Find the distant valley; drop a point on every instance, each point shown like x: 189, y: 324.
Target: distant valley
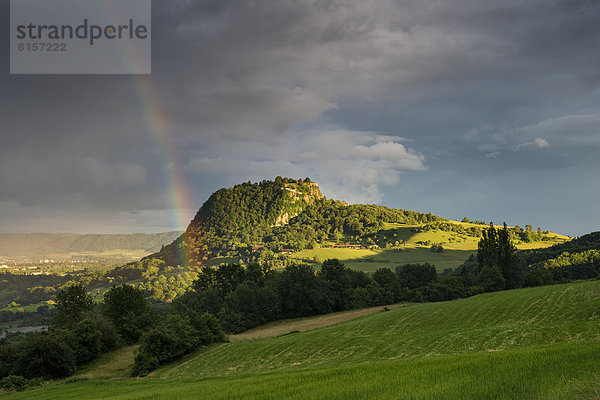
x: 56, y: 247
x: 299, y: 282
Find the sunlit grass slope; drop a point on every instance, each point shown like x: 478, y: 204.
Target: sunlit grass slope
x: 555, y: 372
x: 113, y: 365
x: 415, y: 248
x: 535, y: 343
x: 371, y: 260
x: 489, y: 322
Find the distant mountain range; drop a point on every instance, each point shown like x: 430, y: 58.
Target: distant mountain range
x: 37, y: 245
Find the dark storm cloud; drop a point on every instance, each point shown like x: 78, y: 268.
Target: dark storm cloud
x: 415, y: 104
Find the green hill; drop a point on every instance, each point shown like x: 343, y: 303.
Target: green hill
x: 576, y: 259
x: 534, y: 343
x: 239, y: 217
x: 286, y: 220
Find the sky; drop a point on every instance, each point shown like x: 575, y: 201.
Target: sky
x: 472, y: 108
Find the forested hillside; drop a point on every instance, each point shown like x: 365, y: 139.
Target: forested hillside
x: 277, y: 215
x: 243, y: 214
x: 576, y: 259
x: 275, y: 224
x: 263, y: 222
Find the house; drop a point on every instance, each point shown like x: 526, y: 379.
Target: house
x: 347, y: 246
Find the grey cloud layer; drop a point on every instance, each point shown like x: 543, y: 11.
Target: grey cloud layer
x: 375, y: 99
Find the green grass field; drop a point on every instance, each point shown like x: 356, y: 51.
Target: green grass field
x: 537, y: 343
x: 558, y: 372
x: 457, y: 248
x: 116, y: 364
x: 371, y: 260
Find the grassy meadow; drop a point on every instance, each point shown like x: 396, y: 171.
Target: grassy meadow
x: 370, y: 260
x: 536, y: 343
x: 415, y: 248
x: 557, y: 372
x: 115, y: 364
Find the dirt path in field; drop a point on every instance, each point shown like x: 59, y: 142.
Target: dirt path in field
x: 279, y: 328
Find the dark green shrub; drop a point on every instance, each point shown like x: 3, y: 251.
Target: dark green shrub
x: 43, y: 355
x: 143, y: 364
x: 8, y: 355
x: 174, y: 337
x: 129, y: 311
x: 18, y: 383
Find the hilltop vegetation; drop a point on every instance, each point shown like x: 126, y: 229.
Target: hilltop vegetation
x: 267, y: 222
x: 240, y: 215
x: 276, y: 215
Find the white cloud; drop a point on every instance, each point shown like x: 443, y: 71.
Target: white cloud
x: 540, y: 143
x: 391, y: 151
x: 349, y: 165
x: 568, y: 130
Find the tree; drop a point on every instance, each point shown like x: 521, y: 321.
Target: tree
x: 8, y: 354
x: 127, y: 307
x: 387, y: 280
x: 509, y: 262
x: 171, y: 339
x: 538, y: 276
x: 378, y: 296
x: 42, y: 355
x: 302, y: 293
x: 490, y: 279
x: 496, y: 250
x: 84, y: 338
x: 416, y: 275
x: 71, y: 304
x: 338, y: 279
x: 487, y: 248
x: 249, y: 305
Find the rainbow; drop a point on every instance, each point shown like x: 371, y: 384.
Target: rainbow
x: 155, y: 120
x: 154, y: 117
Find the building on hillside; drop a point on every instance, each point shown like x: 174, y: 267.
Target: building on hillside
x: 347, y: 246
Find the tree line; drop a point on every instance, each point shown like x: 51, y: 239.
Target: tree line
x: 232, y: 298
x: 80, y: 330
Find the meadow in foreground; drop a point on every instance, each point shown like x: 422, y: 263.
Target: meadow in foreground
x: 540, y: 342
